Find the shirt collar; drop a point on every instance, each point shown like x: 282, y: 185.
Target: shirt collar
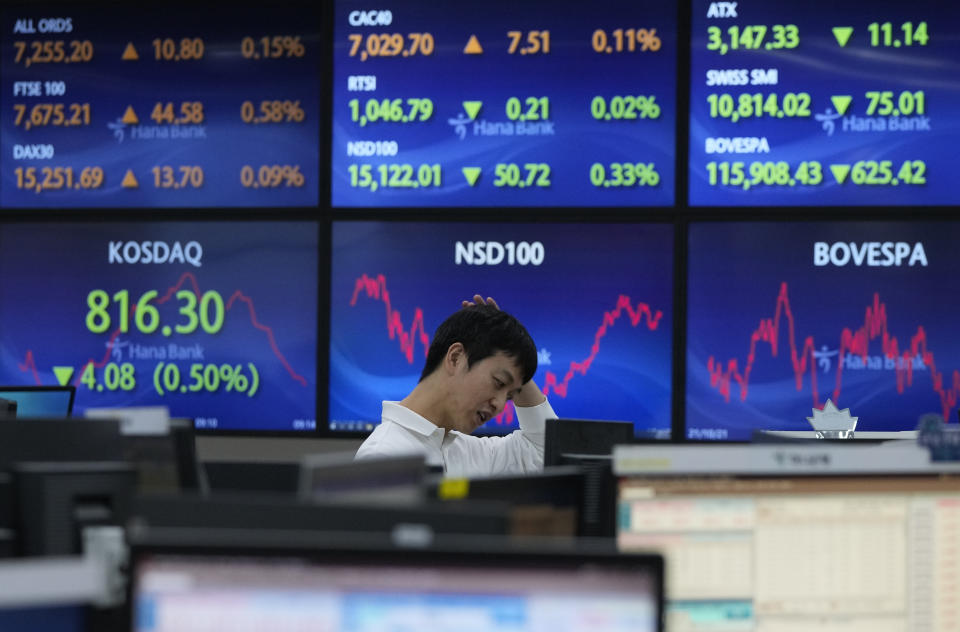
x: 400, y: 414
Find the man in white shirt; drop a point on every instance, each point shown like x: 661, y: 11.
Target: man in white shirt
x: 479, y: 358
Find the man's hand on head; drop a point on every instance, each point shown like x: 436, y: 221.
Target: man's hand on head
x: 479, y: 300
x: 530, y: 394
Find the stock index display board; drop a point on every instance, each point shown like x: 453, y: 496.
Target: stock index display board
x: 860, y: 313
x: 124, y: 106
x: 824, y: 103
x: 596, y: 298
x: 215, y: 320
x: 493, y: 103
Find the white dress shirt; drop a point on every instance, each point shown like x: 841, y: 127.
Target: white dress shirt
x: 403, y: 431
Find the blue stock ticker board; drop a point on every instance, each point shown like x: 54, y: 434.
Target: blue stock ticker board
x: 824, y: 103
x: 856, y: 312
x: 216, y: 321
x: 494, y: 103
x: 136, y: 107
x: 596, y: 298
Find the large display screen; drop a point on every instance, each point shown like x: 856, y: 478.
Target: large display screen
x: 597, y: 299
x: 217, y: 321
x: 824, y: 103
x: 783, y: 316
x: 499, y: 103
x: 124, y: 105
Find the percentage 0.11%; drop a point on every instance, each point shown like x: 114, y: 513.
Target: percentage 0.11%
x: 275, y: 111
x: 271, y: 176
x: 209, y: 378
x: 626, y: 41
x: 272, y: 47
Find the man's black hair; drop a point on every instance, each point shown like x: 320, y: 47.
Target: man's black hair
x: 483, y: 330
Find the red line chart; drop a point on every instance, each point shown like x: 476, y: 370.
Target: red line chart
x: 29, y: 364
x: 186, y: 277
x: 852, y: 342
x: 376, y: 288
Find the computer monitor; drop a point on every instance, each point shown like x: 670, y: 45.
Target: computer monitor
x: 40, y: 401
x: 815, y: 546
x: 361, y: 589
x: 60, y: 440
x: 583, y: 437
x: 227, y: 517
x: 48, y: 440
x: 55, y: 502
x: 548, y: 503
x: 49, y: 594
x: 166, y: 463
x: 259, y: 477
x: 326, y: 477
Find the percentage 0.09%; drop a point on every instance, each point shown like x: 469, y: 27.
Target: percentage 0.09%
x: 271, y: 176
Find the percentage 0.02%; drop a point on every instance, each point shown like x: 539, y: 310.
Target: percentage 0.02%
x: 210, y: 378
x: 624, y: 108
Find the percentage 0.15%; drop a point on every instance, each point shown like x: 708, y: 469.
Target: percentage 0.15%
x: 39, y: 179
x: 275, y: 111
x: 210, y: 378
x: 51, y: 114
x: 271, y: 176
x: 272, y: 47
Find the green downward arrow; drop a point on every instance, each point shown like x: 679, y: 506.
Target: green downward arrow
x: 472, y: 108
x: 841, y: 103
x: 63, y: 373
x: 472, y: 174
x: 840, y: 172
x: 842, y: 33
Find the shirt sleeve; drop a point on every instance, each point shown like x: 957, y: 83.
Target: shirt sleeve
x: 520, y: 452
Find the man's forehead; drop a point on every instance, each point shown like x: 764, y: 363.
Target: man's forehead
x: 506, y: 366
